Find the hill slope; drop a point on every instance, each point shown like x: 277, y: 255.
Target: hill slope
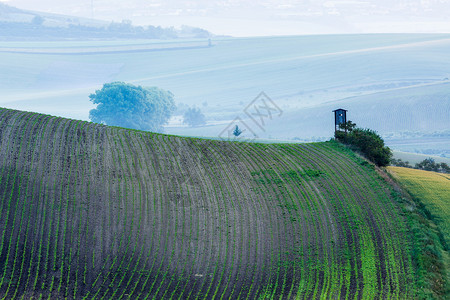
x: 90, y: 211
x: 433, y: 189
x: 430, y: 195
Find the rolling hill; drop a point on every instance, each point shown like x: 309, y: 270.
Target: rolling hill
x: 90, y: 211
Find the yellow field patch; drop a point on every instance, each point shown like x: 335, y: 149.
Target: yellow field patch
x: 432, y: 188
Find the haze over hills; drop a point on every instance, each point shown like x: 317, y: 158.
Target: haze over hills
x: 256, y: 18
x: 27, y: 25
x: 10, y: 14
x: 394, y: 83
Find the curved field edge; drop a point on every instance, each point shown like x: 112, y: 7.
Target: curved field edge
x: 96, y: 212
x: 425, y: 197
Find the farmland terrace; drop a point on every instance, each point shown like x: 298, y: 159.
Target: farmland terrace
x: 90, y: 211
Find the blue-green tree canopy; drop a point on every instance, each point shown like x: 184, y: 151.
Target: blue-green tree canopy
x: 126, y: 105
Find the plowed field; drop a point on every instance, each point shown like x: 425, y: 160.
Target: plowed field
x: 95, y: 212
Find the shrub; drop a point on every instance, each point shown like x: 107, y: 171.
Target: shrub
x: 367, y: 141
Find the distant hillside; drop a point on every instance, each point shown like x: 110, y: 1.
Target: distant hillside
x: 89, y: 211
x: 17, y: 24
x: 396, y: 84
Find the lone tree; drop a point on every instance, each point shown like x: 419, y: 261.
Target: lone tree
x: 237, y: 132
x: 367, y: 141
x: 194, y: 117
x: 125, y: 105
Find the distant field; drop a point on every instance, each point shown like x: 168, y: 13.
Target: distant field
x: 414, y: 158
x: 388, y: 82
x: 101, y: 48
x: 95, y: 212
x: 432, y: 189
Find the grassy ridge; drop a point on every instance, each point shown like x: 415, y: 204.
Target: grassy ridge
x: 95, y: 212
x: 430, y: 193
x: 434, y: 191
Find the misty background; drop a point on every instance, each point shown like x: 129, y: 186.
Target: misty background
x: 386, y: 62
x: 262, y: 18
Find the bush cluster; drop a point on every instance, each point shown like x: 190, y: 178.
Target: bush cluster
x: 366, y: 141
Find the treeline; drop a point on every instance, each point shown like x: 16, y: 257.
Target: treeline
x: 428, y: 164
x: 124, y: 30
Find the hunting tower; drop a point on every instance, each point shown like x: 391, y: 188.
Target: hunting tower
x: 340, y: 117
